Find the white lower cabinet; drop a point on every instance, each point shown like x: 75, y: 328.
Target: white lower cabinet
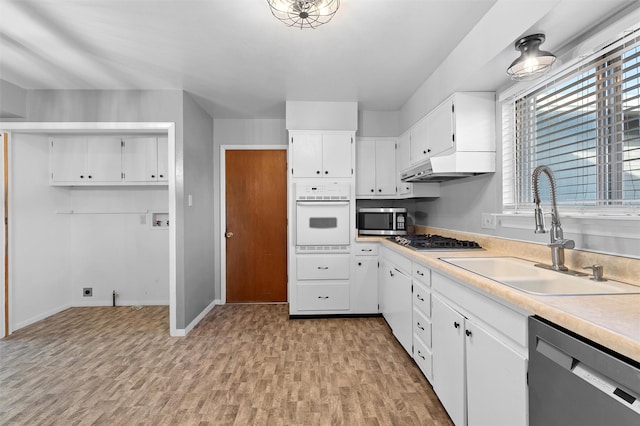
x: 323, y: 297
x: 322, y: 282
x: 364, y: 290
x: 395, y: 292
x: 479, y: 357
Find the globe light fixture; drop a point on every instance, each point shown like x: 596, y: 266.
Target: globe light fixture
x: 304, y: 13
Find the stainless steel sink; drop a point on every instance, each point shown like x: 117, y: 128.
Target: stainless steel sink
x: 523, y: 275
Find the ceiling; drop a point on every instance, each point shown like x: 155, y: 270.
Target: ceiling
x: 238, y: 61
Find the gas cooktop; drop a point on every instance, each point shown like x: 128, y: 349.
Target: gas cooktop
x: 426, y: 242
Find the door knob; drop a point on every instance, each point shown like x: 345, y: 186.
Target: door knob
x: 228, y: 235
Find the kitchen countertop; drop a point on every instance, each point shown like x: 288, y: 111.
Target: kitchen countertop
x: 610, y: 320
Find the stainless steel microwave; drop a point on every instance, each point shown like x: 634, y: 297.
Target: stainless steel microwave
x: 382, y: 221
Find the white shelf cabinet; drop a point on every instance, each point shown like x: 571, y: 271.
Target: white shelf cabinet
x: 321, y: 154
x: 479, y: 356
x: 375, y: 167
x: 85, y: 159
x: 403, y: 161
x: 145, y: 159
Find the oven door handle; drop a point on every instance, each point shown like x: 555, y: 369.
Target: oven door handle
x: 322, y: 203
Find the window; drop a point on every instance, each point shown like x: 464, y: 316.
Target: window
x: 584, y: 125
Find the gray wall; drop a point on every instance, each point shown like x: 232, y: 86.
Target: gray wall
x: 239, y: 132
x: 154, y: 106
x: 198, y: 224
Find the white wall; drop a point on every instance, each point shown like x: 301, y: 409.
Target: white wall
x: 378, y: 123
x: 13, y: 101
x: 55, y: 254
x: 239, y: 132
x: 39, y: 239
x: 120, y: 252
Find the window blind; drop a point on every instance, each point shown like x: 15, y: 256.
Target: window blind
x: 585, y: 126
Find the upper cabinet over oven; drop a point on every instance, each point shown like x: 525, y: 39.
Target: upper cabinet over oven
x: 321, y: 154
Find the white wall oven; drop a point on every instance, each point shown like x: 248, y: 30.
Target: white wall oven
x: 322, y: 217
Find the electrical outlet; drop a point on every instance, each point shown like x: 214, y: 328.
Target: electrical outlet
x: 488, y: 221
x: 87, y: 292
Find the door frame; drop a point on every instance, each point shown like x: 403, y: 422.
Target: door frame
x: 223, y: 207
x: 66, y: 127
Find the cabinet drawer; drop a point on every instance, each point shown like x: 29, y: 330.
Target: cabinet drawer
x: 422, y: 274
x: 422, y: 298
x: 422, y: 327
x: 423, y: 357
x: 323, y: 297
x: 366, y: 250
x: 322, y: 267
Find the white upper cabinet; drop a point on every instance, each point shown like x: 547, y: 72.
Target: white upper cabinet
x: 85, y: 159
x: 321, y: 154
x: 145, y: 159
x: 375, y: 167
x: 418, y: 136
x: 463, y: 122
x: 440, y: 128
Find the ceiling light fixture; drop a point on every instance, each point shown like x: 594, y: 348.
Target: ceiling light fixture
x: 532, y: 62
x: 304, y: 13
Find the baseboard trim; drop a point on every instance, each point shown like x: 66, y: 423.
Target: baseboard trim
x: 318, y: 316
x: 39, y: 317
x: 199, y: 318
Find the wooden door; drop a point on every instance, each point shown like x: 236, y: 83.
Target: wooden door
x: 256, y: 217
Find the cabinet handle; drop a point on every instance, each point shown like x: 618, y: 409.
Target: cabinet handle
x: 326, y: 172
x: 153, y: 176
x: 391, y: 273
x: 420, y: 326
x: 456, y: 324
x: 420, y: 298
x: 429, y: 150
x: 323, y: 297
x: 372, y: 190
x: 420, y: 355
x: 359, y: 263
x: 81, y: 176
x: 367, y: 250
x: 424, y: 152
x: 161, y: 176
x: 323, y: 267
x: 420, y: 273
x: 467, y: 332
x: 317, y: 172
x: 89, y: 176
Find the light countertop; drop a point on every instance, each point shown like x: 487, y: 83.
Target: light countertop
x: 610, y: 320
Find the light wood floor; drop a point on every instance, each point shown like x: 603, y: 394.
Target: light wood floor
x: 242, y: 365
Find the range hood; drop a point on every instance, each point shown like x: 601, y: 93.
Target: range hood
x: 447, y: 167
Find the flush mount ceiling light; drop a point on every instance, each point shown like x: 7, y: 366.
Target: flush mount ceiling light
x: 532, y: 62
x: 304, y: 13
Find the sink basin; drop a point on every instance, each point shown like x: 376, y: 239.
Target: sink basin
x: 524, y: 276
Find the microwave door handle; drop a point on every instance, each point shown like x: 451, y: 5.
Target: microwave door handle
x: 322, y: 203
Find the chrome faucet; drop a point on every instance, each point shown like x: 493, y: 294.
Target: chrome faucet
x: 558, y: 242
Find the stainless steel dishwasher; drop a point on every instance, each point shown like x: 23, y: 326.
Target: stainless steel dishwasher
x: 573, y: 381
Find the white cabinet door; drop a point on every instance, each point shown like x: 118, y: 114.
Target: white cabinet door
x: 385, y: 167
x: 68, y: 159
x: 399, y: 307
x: 364, y: 291
x: 496, y: 380
x: 104, y: 159
x: 419, y: 143
x: 140, y: 159
x: 447, y: 336
x: 365, y: 167
x: 306, y: 152
x: 336, y: 155
x: 440, y: 128
x: 163, y: 159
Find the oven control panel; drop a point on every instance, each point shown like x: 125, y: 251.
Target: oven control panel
x: 323, y: 191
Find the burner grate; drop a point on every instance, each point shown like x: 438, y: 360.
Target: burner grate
x: 435, y: 242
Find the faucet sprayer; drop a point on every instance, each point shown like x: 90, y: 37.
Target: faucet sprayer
x: 558, y: 242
